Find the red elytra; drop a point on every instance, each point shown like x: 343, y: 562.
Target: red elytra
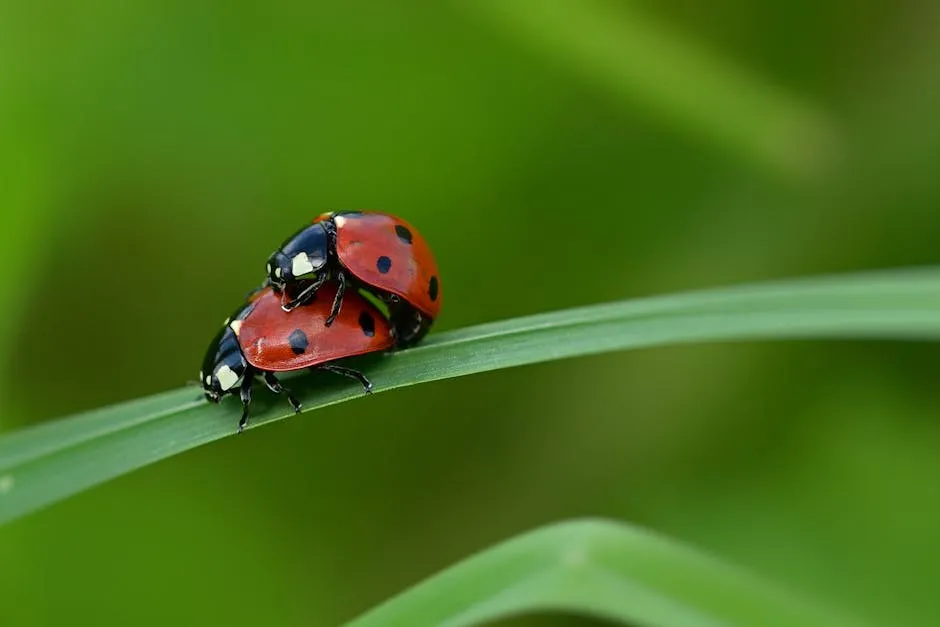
x: 388, y: 253
x: 277, y: 341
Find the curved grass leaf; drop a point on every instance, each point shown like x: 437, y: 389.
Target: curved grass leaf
x: 645, y: 64
x: 603, y: 569
x: 46, y: 463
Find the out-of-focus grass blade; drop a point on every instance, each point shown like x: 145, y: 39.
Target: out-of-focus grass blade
x: 26, y: 155
x: 52, y: 461
x: 647, y: 65
x: 598, y: 568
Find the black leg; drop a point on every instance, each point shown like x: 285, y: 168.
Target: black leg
x: 275, y: 386
x: 349, y: 372
x: 408, y: 325
x: 305, y: 294
x: 246, y: 399
x: 338, y: 300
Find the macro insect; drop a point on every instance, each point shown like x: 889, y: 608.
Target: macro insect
x: 377, y: 252
x: 261, y: 339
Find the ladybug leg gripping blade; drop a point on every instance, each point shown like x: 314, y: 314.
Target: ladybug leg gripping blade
x: 350, y: 373
x: 275, y: 386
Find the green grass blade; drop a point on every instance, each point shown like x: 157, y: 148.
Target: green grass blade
x: 52, y: 461
x: 603, y: 569
x: 646, y: 65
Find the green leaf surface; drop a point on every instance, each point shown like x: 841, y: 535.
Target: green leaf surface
x: 603, y: 569
x: 51, y: 461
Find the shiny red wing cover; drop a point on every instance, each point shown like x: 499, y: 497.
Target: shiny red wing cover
x: 389, y: 253
x: 276, y: 340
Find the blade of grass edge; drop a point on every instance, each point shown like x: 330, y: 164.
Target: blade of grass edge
x: 51, y: 461
x: 601, y: 568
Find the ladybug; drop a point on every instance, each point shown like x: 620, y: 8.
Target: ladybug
x: 380, y: 253
x: 261, y: 339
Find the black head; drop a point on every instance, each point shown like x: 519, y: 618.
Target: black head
x: 224, y: 366
x: 302, y: 257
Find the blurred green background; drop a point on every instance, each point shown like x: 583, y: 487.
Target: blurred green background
x: 555, y: 154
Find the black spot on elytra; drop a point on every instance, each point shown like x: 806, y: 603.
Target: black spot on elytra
x: 403, y: 233
x: 367, y: 323
x: 298, y: 341
x: 433, y: 288
x: 384, y: 264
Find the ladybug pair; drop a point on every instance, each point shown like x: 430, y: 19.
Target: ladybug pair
x: 349, y: 283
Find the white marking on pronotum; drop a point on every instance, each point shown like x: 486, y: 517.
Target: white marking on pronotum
x: 6, y: 483
x: 301, y: 265
x: 236, y: 326
x: 338, y: 221
x: 227, y: 378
